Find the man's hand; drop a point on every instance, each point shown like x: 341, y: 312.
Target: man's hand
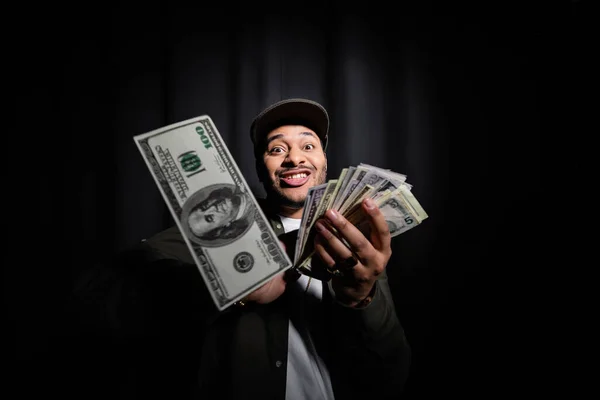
x: 371, y: 255
x: 268, y: 292
x: 271, y: 290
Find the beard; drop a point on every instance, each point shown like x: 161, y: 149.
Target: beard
x: 276, y: 194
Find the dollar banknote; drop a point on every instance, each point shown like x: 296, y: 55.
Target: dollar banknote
x: 388, y: 189
x: 227, y: 233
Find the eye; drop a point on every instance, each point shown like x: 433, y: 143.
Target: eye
x: 276, y: 150
x: 309, y: 146
x: 209, y: 218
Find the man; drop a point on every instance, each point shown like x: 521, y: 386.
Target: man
x: 296, y: 337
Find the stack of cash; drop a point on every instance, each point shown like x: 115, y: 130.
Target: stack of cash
x: 387, y: 188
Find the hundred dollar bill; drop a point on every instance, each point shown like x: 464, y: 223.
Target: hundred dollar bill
x: 228, y: 235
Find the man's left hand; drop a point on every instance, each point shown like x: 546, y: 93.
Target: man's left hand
x: 369, y: 256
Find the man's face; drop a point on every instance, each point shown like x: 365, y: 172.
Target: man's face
x: 219, y: 213
x: 294, y: 161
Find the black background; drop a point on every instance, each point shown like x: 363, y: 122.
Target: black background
x: 461, y: 97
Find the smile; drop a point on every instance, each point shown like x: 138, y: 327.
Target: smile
x: 295, y: 178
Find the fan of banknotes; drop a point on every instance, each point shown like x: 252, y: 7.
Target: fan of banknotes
x: 345, y: 194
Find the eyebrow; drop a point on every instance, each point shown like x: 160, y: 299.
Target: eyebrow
x: 281, y: 135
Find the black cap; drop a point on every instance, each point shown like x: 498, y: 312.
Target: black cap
x: 290, y: 112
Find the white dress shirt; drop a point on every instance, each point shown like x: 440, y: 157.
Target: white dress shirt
x: 307, y: 374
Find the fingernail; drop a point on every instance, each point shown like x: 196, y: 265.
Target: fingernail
x: 369, y: 203
x: 332, y: 215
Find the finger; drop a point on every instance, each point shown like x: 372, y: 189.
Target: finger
x: 328, y: 261
x: 380, y: 231
x: 358, y: 243
x: 337, y: 249
x: 322, y: 252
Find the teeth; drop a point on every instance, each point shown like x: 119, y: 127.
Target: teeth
x: 297, y: 176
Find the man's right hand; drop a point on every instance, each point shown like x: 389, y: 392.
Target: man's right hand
x: 271, y: 290
x: 268, y: 292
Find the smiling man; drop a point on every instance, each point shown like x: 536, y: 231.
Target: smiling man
x: 327, y: 319
x: 289, y: 140
x: 294, y: 161
x: 295, y: 338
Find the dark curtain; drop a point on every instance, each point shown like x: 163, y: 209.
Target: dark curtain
x: 452, y: 95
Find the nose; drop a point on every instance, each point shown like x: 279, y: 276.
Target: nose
x: 295, y: 156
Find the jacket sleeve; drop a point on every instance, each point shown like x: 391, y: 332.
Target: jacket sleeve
x: 141, y: 292
x: 369, y: 354
x: 136, y: 325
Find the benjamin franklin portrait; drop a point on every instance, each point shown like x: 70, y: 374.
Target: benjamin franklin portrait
x: 217, y: 215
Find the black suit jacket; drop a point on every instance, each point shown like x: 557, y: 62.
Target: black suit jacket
x: 148, y: 329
